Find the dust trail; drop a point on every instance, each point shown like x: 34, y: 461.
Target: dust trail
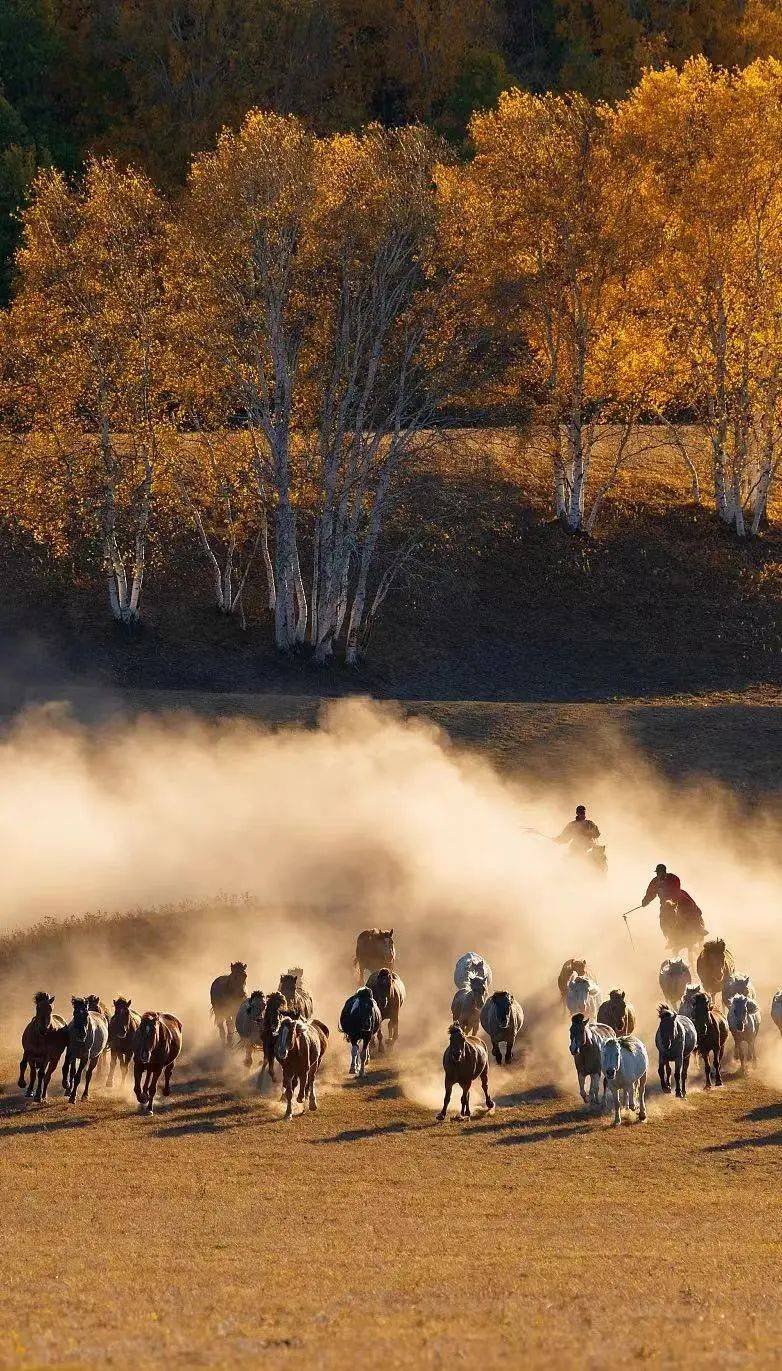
x: 368, y: 820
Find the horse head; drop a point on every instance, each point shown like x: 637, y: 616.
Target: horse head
x: 286, y: 1036
x: 618, y: 998
x: 667, y: 1024
x: 578, y: 1027
x: 458, y: 1042
x: 502, y: 1001
x: 275, y: 1005
x: 739, y: 1008
x: 256, y: 1004
x: 94, y: 1004
x: 479, y: 990
x: 701, y: 1007
x: 382, y: 988
x: 238, y: 974
x: 122, y: 1012
x: 81, y: 1017
x: 43, y: 1008
x: 147, y: 1031
x: 611, y: 1055
x: 387, y: 938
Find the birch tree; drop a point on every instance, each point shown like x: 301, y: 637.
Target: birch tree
x: 240, y: 277
x: 545, y: 226
x: 85, y: 330
x: 715, y: 281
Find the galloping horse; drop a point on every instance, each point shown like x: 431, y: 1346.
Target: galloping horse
x: 389, y: 992
x: 88, y: 1036
x: 465, y: 1060
x: 299, y: 1048
x: 226, y: 993
x: 122, y: 1027
x: 43, y: 1042
x: 157, y: 1043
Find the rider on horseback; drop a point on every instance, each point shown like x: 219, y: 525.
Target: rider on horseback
x: 582, y: 836
x: 681, y: 921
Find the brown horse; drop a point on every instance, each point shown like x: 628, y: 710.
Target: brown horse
x: 226, y: 994
x: 465, y: 1060
x: 157, y: 1042
x: 122, y: 1027
x: 299, y: 1048
x: 43, y: 1042
x: 712, y: 1030
x: 292, y: 987
x: 374, y: 950
x: 714, y: 964
x: 389, y: 992
x: 292, y: 998
x: 617, y: 1013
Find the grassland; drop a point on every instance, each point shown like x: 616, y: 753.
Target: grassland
x: 215, y: 1235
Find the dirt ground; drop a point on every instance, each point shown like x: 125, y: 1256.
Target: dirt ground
x: 214, y: 1234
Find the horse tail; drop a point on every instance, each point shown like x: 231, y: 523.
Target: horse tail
x: 323, y: 1028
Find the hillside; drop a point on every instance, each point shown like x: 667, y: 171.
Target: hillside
x: 499, y: 603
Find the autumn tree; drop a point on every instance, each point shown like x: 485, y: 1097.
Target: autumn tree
x: 297, y: 268
x: 714, y: 283
x: 84, y: 337
x: 545, y: 228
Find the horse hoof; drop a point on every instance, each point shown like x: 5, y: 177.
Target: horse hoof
x: 440, y: 1117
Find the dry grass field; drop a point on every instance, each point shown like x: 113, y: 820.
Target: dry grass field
x: 215, y: 1235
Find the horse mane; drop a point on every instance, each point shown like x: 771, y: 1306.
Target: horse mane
x: 663, y: 1010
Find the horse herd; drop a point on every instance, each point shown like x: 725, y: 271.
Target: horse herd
x: 281, y: 1028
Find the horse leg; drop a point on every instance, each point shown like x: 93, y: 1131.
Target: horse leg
x: 707, y: 1069
x: 287, y: 1083
x: 138, y: 1072
x: 617, y: 1114
x: 311, y: 1088
x: 302, y: 1084
x: 685, y: 1069
x: 678, y: 1077
x: 465, y: 1114
x: 22, y: 1068
x: 496, y: 1051
x: 167, y: 1078
x: 662, y: 1071
x: 447, y: 1100
x: 381, y: 1047
x: 91, y: 1064
x: 642, y: 1099
x: 75, y: 1079
x: 151, y: 1089
x: 33, y: 1075
x: 581, y: 1079
x: 717, y: 1061
x: 509, y: 1045
x: 393, y: 1028
x: 67, y: 1067
x: 37, y: 1081
x: 485, y: 1084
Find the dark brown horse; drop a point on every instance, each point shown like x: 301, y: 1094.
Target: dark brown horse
x: 292, y: 987
x: 712, y: 1030
x: 226, y: 994
x: 617, y: 1013
x: 96, y: 1006
x: 389, y: 992
x: 465, y: 1060
x: 374, y: 950
x: 292, y: 998
x: 43, y: 1042
x: 122, y: 1028
x: 299, y: 1047
x: 157, y: 1042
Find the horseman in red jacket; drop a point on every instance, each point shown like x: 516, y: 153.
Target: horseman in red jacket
x: 681, y: 921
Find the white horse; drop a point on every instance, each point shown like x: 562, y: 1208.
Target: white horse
x: 468, y: 966
x: 582, y: 996
x: 776, y: 1009
x: 625, y: 1063
x: 734, y: 984
x: 675, y: 976
x: 744, y: 1024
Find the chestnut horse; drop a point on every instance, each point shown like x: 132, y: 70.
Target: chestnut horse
x: 157, y: 1042
x: 299, y: 1047
x: 389, y: 991
x: 712, y: 1031
x: 617, y: 1013
x: 43, y: 1042
x: 465, y: 1060
x: 122, y: 1027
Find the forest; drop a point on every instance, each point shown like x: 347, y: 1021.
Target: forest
x: 272, y: 350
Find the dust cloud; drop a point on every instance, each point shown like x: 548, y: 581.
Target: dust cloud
x: 277, y: 847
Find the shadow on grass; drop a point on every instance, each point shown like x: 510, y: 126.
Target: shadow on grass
x: 542, y: 1135
x: 212, y: 1121
x: 43, y: 1125
x: 356, y: 1134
